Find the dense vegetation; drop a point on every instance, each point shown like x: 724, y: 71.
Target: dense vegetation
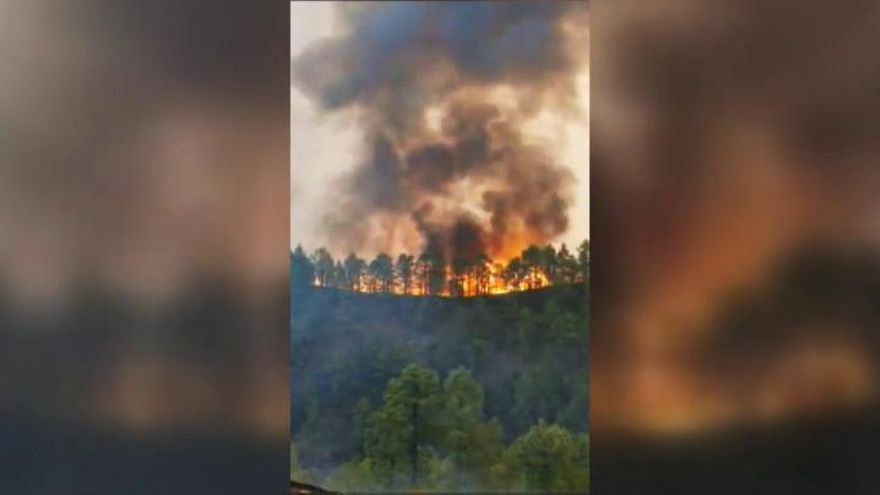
x: 393, y: 392
x: 432, y: 274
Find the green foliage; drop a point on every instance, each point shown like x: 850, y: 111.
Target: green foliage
x: 464, y: 397
x: 575, y: 415
x: 450, y: 446
x: 550, y: 458
x: 360, y: 423
x: 474, y: 445
x: 506, y: 362
x: 409, y: 421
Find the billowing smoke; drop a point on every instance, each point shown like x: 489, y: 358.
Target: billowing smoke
x: 443, y: 92
x: 734, y: 166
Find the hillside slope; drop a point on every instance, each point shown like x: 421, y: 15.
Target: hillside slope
x: 528, y: 350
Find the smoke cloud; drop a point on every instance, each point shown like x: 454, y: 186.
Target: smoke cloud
x: 442, y: 92
x: 735, y: 182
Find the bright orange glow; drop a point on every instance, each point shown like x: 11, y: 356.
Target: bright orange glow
x: 482, y: 280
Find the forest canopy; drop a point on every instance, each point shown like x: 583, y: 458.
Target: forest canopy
x: 430, y: 274
x: 392, y: 392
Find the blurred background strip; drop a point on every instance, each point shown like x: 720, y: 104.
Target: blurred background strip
x: 143, y: 247
x: 736, y: 253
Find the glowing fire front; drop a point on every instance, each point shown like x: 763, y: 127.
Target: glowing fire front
x: 428, y: 275
x: 492, y: 281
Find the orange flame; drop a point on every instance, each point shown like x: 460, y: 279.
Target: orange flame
x: 491, y: 281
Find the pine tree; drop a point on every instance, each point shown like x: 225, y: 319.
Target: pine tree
x: 404, y: 271
x: 382, y: 273
x: 323, y: 264
x: 302, y: 272
x: 551, y: 459
x: 474, y: 445
x: 354, y: 272
x: 407, y: 424
x: 568, y: 267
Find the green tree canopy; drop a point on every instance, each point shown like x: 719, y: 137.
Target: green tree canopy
x: 406, y: 425
x: 550, y: 458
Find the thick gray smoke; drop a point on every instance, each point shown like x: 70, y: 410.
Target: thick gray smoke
x: 442, y: 91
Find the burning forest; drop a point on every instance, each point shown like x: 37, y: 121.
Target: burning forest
x: 439, y: 153
x: 431, y: 275
x: 458, y: 110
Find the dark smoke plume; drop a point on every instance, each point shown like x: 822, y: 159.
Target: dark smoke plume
x: 442, y: 91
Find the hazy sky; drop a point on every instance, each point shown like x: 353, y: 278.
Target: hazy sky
x: 325, y: 145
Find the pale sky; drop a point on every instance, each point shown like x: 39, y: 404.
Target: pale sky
x: 324, y: 146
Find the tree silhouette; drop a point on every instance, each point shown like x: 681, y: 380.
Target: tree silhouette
x: 515, y: 272
x: 435, y: 274
x: 548, y: 263
x: 423, y: 271
x: 568, y: 267
x: 430, y: 274
x: 404, y: 269
x: 532, y: 259
x: 323, y: 263
x: 337, y: 279
x: 461, y: 268
x: 382, y: 272
x: 302, y: 272
x: 480, y: 274
x: 354, y: 272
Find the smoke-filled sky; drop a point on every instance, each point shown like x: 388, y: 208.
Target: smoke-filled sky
x: 450, y: 127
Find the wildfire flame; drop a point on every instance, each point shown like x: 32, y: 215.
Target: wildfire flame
x: 493, y: 281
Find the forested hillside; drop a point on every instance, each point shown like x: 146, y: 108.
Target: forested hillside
x: 432, y: 274
x: 393, y: 391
